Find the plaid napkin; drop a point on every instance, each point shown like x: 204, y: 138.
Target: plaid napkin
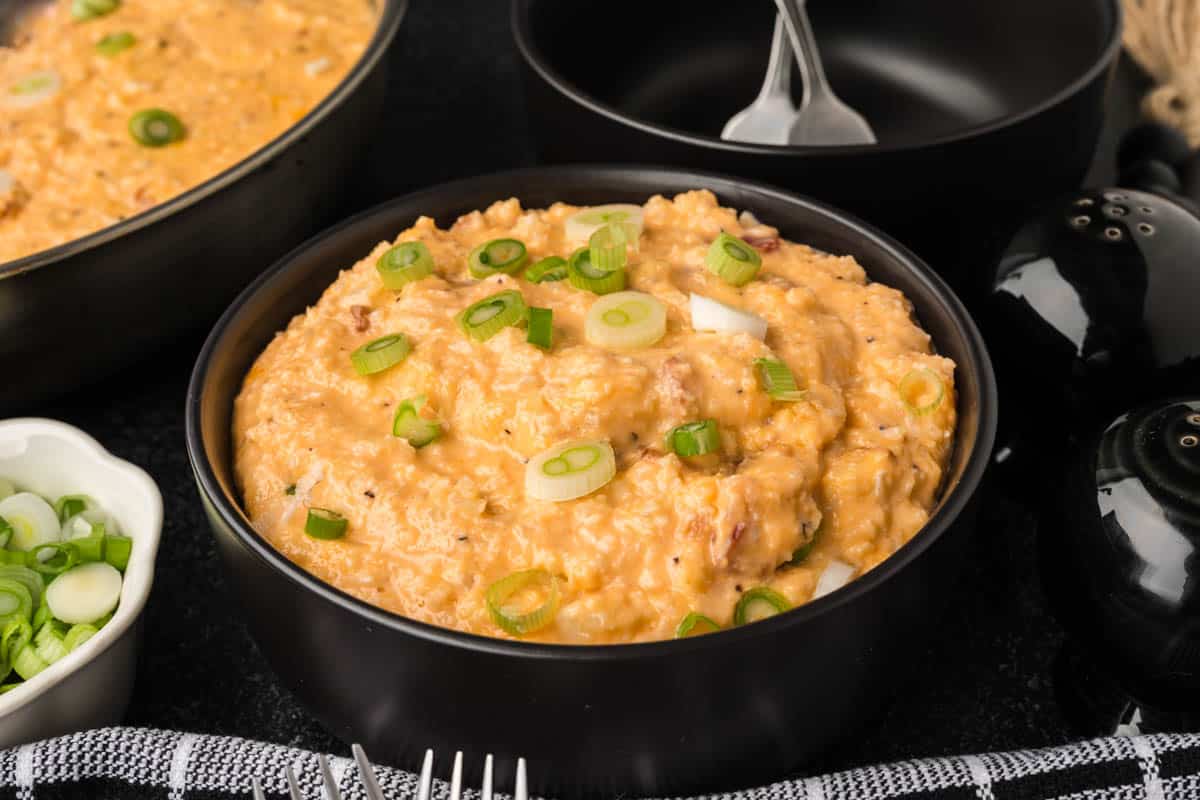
x: 136, y: 763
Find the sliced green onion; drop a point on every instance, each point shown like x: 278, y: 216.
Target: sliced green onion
x: 695, y: 624
x: 34, y: 582
x: 694, y: 438
x: 570, y: 470
x: 154, y: 127
x: 584, y: 275
x: 403, y: 264
x: 69, y: 505
x: 6, y: 532
x: 33, y: 88
x: 731, y: 259
x: 90, y: 548
x: 410, y: 424
x: 552, y: 268
x: 27, y: 663
x: 48, y: 643
x: 383, y: 353
x: 759, y: 603
x: 115, y: 43
x: 77, y: 635
x: 582, y: 224
x: 33, y: 520
x: 625, y: 321
x: 325, y: 524
x: 15, y: 601
x: 14, y: 635
x: 541, y: 327
x: 513, y: 620
x: 497, y: 256
x: 85, y: 594
x: 53, y: 558
x: 40, y: 617
x: 777, y: 380
x: 117, y: 550
x: 803, y: 551
x: 483, y: 320
x: 608, y: 248
x: 83, y: 10
x: 921, y: 391
x: 12, y: 557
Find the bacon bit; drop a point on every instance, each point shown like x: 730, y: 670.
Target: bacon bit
x: 738, y: 530
x: 671, y: 388
x: 362, y: 317
x: 143, y: 197
x: 764, y: 244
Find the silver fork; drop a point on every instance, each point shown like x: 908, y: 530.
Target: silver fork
x: 424, y: 788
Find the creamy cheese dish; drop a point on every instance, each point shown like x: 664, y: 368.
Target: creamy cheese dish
x: 694, y: 440
x: 109, y: 107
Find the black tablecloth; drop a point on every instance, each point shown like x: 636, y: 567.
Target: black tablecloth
x: 455, y: 101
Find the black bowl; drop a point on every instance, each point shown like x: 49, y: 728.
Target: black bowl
x: 735, y: 708
x: 980, y: 108
x: 74, y: 312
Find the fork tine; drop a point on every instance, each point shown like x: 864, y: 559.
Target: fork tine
x: 522, y: 791
x: 293, y: 787
x: 426, y: 785
x: 485, y: 793
x: 456, y: 777
x: 258, y: 790
x: 367, y: 774
x: 331, y: 789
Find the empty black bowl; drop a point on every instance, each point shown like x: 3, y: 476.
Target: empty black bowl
x: 731, y: 709
x: 981, y: 109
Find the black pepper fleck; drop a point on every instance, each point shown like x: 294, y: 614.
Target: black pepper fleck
x: 506, y: 430
x: 675, y: 559
x: 738, y: 587
x: 870, y: 339
x: 634, y: 436
x: 462, y: 538
x: 369, y: 494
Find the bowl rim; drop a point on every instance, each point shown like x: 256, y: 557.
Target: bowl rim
x: 390, y: 17
x: 533, y: 57
x: 951, y: 506
x: 139, y: 575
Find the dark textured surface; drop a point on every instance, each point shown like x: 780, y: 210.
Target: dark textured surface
x: 455, y: 102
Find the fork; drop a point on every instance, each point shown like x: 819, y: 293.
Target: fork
x: 424, y: 787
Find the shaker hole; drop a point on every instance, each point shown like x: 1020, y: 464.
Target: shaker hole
x: 1194, y: 419
x: 1146, y: 210
x: 1114, y: 197
x: 1084, y: 202
x: 1081, y: 221
x: 1113, y: 234
x: 1146, y: 228
x: 1116, y: 211
x: 1189, y: 440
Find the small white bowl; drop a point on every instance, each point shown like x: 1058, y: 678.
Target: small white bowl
x: 91, y: 687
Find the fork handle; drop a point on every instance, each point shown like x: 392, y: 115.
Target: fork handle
x: 804, y: 42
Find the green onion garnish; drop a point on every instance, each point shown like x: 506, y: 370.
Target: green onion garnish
x: 694, y: 438
x: 83, y: 10
x: 759, y: 603
x: 513, y: 620
x: 48, y: 642
x: 52, y: 558
x: 695, y: 624
x: 922, y: 391
x: 117, y: 550
x: 733, y: 260
x: 90, y: 547
x: 496, y: 256
x: 77, y: 635
x: 15, y: 601
x: 552, y: 268
x: 27, y: 663
x: 22, y: 574
x: 10, y: 557
x: 115, y: 43
x: 6, y: 532
x: 541, y: 327
x: 325, y: 524
x: 805, y: 550
x: 583, y: 274
x: 403, y: 264
x: 483, y: 320
x: 36, y: 85
x: 777, y: 380
x: 608, y: 248
x: 411, y: 425
x: 625, y: 321
x: 69, y: 505
x: 154, y: 127
x: 383, y: 353
x: 570, y: 470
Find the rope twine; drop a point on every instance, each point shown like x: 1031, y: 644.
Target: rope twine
x: 1163, y: 36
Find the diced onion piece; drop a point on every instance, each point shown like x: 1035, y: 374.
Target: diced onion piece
x: 410, y: 424
x: 115, y: 43
x: 695, y: 624
x: 921, y: 391
x: 155, y: 127
x: 16, y: 602
x: 541, y: 328
x: 32, y: 519
x: 85, y: 593
x: 551, y: 268
x: 325, y: 524
x: 836, y: 575
x: 732, y: 260
x: 583, y: 274
x: 513, y: 620
x: 403, y: 264
x: 582, y: 224
x: 694, y: 438
x: 777, y: 380
x: 383, y: 353
x: 483, y: 320
x: 315, y: 67
x: 625, y: 320
x: 32, y: 89
x: 497, y: 256
x: 608, y: 248
x: 759, y: 603
x: 570, y: 470
x: 711, y: 315
x: 83, y: 10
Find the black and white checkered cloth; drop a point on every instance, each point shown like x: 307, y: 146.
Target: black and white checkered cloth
x: 135, y: 763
